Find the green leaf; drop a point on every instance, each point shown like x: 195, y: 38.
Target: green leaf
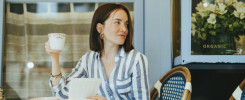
x: 206, y: 25
x: 202, y: 36
x: 213, y: 33
x: 235, y: 24
x: 230, y: 25
x: 241, y: 22
x: 199, y: 35
x: 225, y: 23
x: 221, y: 17
x: 210, y: 26
x: 231, y: 29
x: 218, y: 25
x: 202, y: 29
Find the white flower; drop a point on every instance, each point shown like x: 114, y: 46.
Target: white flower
x: 211, y: 7
x: 219, y: 1
x: 203, y: 8
x: 193, y: 32
x: 193, y: 19
x: 203, y: 14
x: 222, y: 8
x: 240, y: 10
x: 236, y: 13
x: 242, y: 15
x: 193, y: 15
x: 193, y: 26
x: 229, y: 2
x: 205, y: 1
x: 212, y: 19
x: 238, y: 5
x: 200, y: 7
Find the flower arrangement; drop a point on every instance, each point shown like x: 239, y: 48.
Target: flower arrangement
x: 221, y: 18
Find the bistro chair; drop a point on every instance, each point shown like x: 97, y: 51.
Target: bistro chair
x: 239, y: 93
x: 174, y: 85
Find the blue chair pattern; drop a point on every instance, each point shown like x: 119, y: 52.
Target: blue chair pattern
x: 243, y: 95
x: 173, y: 88
x: 174, y: 85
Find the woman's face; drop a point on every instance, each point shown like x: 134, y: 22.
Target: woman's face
x: 115, y: 28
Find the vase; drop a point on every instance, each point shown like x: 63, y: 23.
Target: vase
x: 221, y: 44
x: 240, y: 45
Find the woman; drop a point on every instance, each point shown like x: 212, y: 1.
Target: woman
x: 112, y: 58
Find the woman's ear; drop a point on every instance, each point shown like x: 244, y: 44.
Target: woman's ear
x: 99, y: 27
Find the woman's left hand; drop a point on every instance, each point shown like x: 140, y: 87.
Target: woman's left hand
x: 97, y: 97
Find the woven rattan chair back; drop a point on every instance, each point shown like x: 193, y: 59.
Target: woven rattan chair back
x: 239, y: 93
x: 174, y: 85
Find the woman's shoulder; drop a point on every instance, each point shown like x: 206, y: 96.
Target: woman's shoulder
x: 89, y: 54
x: 137, y: 54
x: 138, y: 57
x: 133, y: 51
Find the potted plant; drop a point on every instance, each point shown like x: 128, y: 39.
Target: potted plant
x: 216, y: 26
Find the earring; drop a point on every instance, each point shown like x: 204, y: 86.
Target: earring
x: 101, y: 36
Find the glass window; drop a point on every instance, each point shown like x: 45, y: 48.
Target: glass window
x: 26, y: 65
x: 217, y: 27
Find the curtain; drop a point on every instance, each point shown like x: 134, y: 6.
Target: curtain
x: 27, y: 25
x: 25, y: 35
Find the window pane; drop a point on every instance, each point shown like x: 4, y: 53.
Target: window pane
x: 26, y: 64
x: 84, y: 7
x: 217, y: 27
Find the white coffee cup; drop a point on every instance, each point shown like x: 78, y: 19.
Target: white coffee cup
x: 57, y: 41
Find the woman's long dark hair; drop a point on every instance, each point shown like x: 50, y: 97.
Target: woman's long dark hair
x: 100, y: 16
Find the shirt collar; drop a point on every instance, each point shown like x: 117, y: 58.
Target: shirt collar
x: 120, y: 53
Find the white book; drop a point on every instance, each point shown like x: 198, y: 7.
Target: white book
x: 81, y: 88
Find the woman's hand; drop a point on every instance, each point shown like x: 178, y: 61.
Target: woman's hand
x: 53, y: 53
x: 97, y: 97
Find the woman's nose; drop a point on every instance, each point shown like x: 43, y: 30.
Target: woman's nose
x: 124, y: 28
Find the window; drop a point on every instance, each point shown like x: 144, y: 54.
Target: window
x: 25, y: 64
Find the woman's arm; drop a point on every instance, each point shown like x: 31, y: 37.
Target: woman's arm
x: 55, y: 63
x: 62, y: 87
x: 140, y: 84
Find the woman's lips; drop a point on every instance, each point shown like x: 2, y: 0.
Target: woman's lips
x: 122, y: 35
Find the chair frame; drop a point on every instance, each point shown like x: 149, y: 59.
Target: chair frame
x: 180, y: 69
x: 242, y: 87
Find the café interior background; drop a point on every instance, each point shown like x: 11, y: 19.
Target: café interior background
x: 26, y: 66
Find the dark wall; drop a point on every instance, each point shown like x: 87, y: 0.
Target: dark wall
x: 215, y: 81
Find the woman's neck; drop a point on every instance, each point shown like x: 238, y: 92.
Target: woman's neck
x: 109, y: 51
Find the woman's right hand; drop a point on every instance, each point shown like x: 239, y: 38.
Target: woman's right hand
x: 53, y: 53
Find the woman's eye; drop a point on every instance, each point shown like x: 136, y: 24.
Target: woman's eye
x: 117, y: 22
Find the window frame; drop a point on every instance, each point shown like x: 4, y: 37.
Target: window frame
x: 2, y: 14
x: 185, y: 52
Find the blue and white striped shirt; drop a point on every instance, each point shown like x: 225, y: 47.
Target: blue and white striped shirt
x: 128, y: 80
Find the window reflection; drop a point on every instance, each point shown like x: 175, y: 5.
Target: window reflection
x: 82, y: 7
x: 26, y: 64
x: 216, y: 28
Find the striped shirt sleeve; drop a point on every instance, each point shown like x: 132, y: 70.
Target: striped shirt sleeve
x: 80, y: 71
x: 140, y: 85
